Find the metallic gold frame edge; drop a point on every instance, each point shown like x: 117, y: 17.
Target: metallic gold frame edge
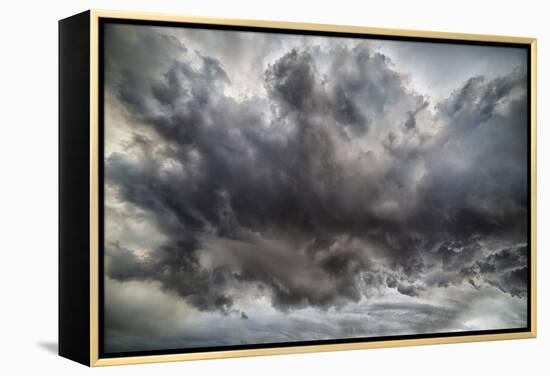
x: 95, y: 361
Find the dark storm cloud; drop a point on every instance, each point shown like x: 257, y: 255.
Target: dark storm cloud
x: 138, y: 73
x: 410, y: 123
x: 177, y: 271
x: 477, y: 185
x: 282, y: 203
x: 506, y: 270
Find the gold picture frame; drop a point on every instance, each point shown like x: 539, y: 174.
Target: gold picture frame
x: 91, y: 259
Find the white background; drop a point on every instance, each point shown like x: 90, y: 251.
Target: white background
x: 28, y: 186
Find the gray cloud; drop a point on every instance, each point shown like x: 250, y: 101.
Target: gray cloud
x: 334, y: 182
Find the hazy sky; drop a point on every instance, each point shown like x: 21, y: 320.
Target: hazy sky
x: 273, y: 188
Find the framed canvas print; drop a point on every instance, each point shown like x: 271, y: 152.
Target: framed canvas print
x: 236, y: 188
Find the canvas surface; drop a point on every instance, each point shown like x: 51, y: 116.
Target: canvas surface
x: 269, y: 188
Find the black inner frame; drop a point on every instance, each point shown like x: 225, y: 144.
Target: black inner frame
x: 101, y: 85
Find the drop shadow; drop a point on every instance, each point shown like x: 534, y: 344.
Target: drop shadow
x: 48, y: 346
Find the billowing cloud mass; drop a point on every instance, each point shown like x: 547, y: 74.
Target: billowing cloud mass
x: 274, y: 188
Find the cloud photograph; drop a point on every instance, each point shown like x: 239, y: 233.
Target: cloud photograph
x: 269, y: 188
